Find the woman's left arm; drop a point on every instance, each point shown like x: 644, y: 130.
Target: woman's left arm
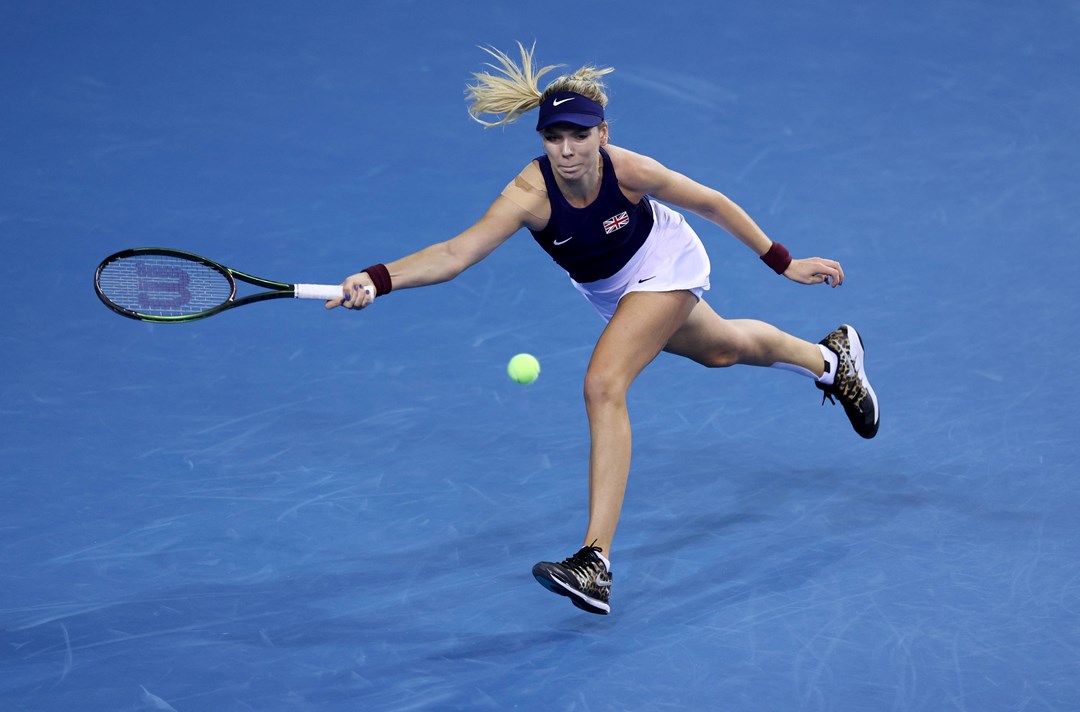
x: 646, y: 175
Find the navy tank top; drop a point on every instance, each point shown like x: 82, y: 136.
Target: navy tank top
x: 596, y: 241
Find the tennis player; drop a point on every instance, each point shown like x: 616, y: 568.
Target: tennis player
x: 602, y: 213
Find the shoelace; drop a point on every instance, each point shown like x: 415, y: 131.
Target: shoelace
x: 581, y: 565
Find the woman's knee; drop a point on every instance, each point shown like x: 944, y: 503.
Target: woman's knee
x: 723, y: 357
x: 715, y: 352
x: 604, y: 386
x: 745, y: 343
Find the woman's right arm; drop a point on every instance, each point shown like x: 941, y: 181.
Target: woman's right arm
x: 443, y: 261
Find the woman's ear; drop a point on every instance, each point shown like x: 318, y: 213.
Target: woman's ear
x: 604, y: 136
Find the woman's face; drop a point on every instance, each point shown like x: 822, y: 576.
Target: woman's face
x: 572, y: 150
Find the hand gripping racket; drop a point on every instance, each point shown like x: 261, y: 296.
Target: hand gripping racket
x: 159, y: 284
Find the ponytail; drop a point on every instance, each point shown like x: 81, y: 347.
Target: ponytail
x: 515, y: 90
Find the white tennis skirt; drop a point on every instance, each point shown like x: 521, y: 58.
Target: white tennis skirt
x: 671, y: 259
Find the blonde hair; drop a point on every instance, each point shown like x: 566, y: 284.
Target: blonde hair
x: 514, y: 90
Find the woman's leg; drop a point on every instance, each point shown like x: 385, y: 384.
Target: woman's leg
x: 641, y: 326
x: 713, y: 341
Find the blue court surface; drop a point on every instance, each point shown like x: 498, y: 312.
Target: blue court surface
x: 281, y: 508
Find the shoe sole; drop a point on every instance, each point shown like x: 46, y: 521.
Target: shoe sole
x: 553, y: 584
x: 858, y: 354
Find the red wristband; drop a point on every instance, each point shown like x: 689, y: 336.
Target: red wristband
x: 380, y: 277
x: 777, y: 258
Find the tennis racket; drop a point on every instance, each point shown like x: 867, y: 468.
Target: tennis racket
x: 163, y: 285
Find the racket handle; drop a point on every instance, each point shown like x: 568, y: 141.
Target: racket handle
x: 323, y: 291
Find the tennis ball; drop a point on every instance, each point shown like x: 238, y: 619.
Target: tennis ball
x: 523, y: 368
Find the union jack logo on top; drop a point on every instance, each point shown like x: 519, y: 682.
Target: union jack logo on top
x: 613, y: 224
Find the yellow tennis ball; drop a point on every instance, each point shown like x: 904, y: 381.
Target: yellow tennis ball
x: 523, y: 368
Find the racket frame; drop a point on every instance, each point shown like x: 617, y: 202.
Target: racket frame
x: 278, y: 290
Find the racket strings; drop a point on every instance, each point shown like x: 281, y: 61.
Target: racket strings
x: 163, y: 285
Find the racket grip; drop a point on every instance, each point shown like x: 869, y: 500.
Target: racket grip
x: 323, y: 291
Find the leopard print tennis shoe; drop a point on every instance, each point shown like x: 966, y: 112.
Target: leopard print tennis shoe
x: 584, y: 578
x: 850, y: 385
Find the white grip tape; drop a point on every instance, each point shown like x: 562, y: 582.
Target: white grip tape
x: 324, y: 291
x: 318, y: 291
